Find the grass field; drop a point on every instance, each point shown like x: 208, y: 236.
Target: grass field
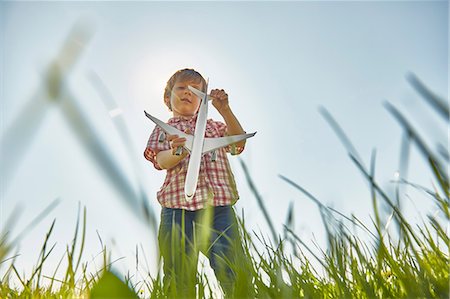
x: 396, y: 260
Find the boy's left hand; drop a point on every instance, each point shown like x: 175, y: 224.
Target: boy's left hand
x: 220, y: 100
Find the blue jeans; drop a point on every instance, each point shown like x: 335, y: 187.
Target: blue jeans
x: 213, y: 231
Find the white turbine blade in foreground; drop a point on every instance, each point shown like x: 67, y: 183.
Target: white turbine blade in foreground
x: 121, y: 127
x: 18, y: 136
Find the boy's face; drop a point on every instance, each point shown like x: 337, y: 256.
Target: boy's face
x: 183, y: 101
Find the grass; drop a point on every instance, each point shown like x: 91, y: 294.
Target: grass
x: 396, y: 261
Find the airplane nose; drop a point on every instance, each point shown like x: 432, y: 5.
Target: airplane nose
x: 189, y: 197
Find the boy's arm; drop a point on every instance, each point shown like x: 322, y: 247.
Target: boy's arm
x: 220, y: 102
x: 167, y: 158
x: 233, y: 125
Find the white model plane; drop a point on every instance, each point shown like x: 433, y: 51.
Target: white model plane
x: 197, y: 144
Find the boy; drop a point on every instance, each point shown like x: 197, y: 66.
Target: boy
x: 211, y: 206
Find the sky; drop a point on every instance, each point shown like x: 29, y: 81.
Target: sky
x: 278, y: 61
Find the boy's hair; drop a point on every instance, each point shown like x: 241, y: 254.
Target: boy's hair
x: 183, y: 75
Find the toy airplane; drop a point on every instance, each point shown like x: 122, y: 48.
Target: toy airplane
x: 197, y: 144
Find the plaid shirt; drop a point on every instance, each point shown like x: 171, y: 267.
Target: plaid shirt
x: 216, y: 185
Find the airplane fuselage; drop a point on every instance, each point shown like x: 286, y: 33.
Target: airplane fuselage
x: 196, y: 154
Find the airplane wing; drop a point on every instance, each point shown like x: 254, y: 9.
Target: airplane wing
x: 211, y: 144
x: 198, y: 93
x: 172, y: 131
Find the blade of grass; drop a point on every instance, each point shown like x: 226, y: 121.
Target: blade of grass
x: 259, y: 200
x: 439, y: 104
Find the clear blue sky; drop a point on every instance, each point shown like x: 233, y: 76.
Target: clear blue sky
x: 278, y: 62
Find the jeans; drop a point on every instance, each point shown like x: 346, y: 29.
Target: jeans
x: 214, y: 231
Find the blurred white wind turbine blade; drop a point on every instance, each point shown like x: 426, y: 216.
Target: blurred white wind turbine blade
x: 69, y: 54
x: 117, y: 116
x: 18, y: 136
x: 97, y: 150
x: 119, y: 122
x: 16, y: 139
x: 115, y: 112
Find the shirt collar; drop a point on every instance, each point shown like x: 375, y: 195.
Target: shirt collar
x: 177, y: 119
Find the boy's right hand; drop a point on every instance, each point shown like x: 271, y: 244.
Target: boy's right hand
x: 175, y: 141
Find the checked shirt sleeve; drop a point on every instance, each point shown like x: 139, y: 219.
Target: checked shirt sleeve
x: 233, y: 149
x: 154, y: 147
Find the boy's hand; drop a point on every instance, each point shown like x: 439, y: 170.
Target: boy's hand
x: 175, y: 141
x: 220, y: 100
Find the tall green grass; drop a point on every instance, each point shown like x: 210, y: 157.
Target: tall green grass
x: 413, y: 263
